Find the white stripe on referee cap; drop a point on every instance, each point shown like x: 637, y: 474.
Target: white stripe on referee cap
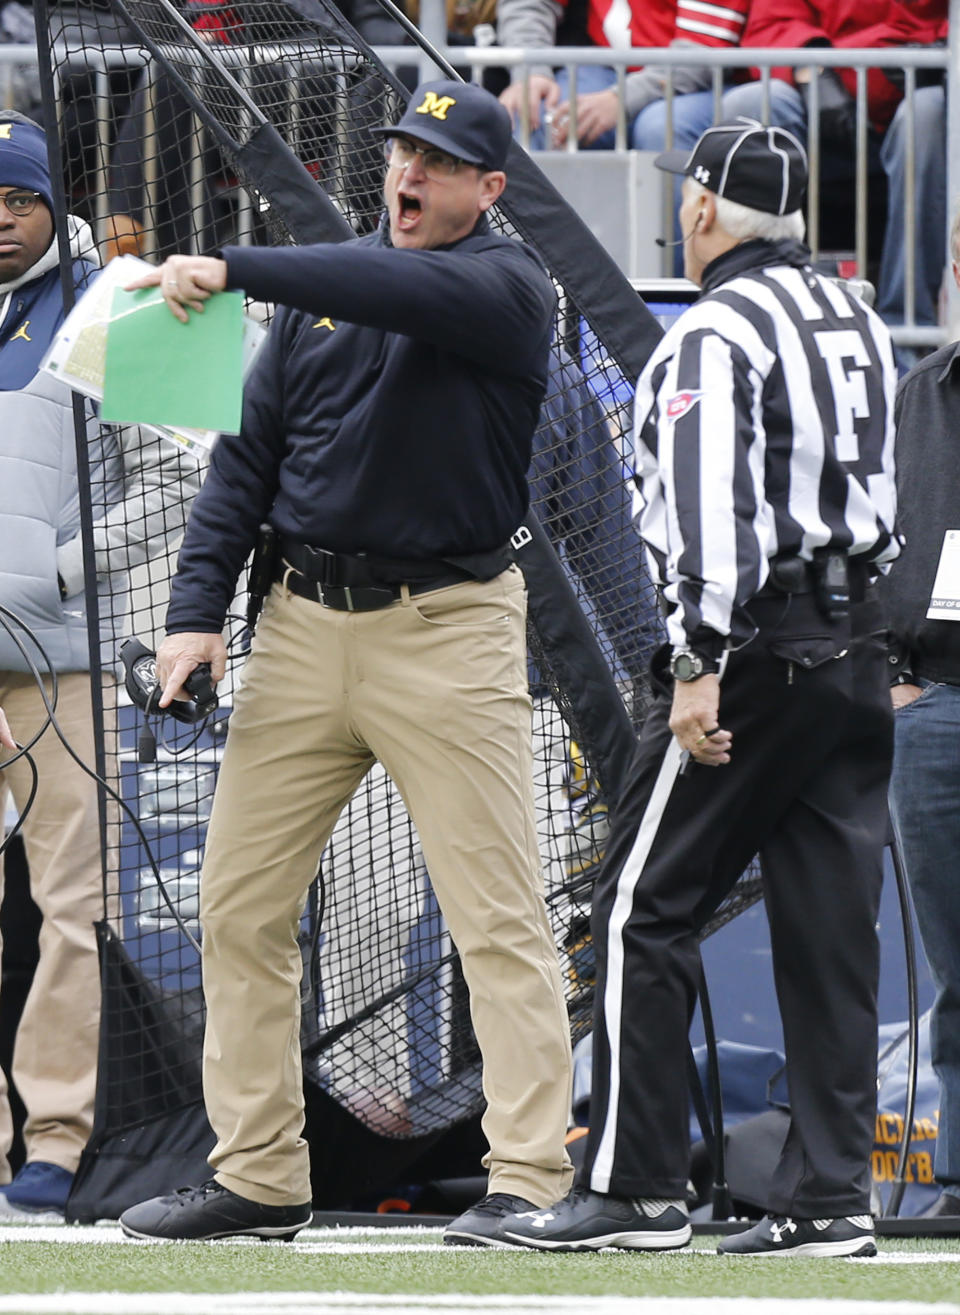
x: 784, y: 170
x: 752, y: 127
x: 731, y: 152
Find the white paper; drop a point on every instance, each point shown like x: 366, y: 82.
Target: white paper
x: 945, y: 598
x: 77, y: 356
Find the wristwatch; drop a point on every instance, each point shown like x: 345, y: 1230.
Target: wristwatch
x: 686, y: 665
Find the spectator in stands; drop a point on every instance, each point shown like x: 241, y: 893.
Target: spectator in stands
x: 172, y: 224
x: 675, y: 23
x: 469, y: 23
x: 138, y: 488
x: 17, y: 29
x: 925, y: 674
x: 868, y: 24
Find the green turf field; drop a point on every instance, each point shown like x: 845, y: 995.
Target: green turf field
x: 92, y: 1271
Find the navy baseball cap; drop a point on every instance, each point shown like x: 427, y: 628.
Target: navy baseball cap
x: 23, y: 156
x: 763, y: 168
x: 459, y: 117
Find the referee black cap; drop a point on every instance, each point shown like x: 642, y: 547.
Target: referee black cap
x: 763, y: 168
x: 459, y: 117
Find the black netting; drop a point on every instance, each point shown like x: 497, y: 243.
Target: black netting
x: 185, y: 138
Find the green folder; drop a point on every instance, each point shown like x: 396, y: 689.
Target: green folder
x: 161, y: 372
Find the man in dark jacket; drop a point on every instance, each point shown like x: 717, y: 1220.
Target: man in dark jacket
x: 386, y: 437
x: 137, y: 487
x: 924, y: 605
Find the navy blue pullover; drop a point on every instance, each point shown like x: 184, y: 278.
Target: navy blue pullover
x: 391, y: 410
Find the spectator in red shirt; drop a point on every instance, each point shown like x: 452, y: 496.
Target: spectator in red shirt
x: 618, y: 24
x: 867, y: 24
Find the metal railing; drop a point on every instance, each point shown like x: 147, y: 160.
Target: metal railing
x: 911, y: 60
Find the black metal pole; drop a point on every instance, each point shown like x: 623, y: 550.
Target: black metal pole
x: 910, y: 954
x: 722, y: 1203
x: 61, y: 228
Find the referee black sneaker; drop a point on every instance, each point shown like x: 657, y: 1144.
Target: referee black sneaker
x: 479, y: 1226
x: 587, y: 1221
x: 200, y: 1214
x: 779, y: 1235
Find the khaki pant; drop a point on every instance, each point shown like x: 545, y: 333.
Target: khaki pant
x: 55, y: 1053
x: 435, y: 688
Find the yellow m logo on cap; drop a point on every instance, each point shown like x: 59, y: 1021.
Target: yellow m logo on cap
x: 5, y: 131
x: 435, y: 105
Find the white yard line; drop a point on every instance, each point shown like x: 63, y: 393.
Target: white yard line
x: 349, y: 1303
x: 349, y: 1240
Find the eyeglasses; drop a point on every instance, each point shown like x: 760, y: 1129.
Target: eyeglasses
x: 20, y: 204
x: 437, y: 164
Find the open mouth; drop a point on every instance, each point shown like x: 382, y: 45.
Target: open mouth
x: 410, y: 210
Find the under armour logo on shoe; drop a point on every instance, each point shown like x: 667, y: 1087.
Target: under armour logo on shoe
x: 777, y: 1230
x: 538, y: 1218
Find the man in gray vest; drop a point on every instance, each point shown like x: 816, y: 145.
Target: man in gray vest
x: 139, y: 488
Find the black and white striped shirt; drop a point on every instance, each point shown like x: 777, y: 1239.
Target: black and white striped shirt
x: 763, y: 426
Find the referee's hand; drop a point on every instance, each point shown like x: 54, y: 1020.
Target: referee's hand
x: 185, y: 281
x: 695, y: 721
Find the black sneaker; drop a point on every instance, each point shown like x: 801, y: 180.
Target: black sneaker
x: 779, y: 1235
x: 477, y: 1227
x: 587, y: 1221
x: 199, y: 1214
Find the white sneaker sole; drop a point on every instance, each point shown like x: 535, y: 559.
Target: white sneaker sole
x: 474, y: 1240
x: 849, y: 1247
x: 631, y: 1241
x: 265, y: 1234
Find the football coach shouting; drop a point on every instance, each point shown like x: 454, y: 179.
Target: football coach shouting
x: 764, y: 448
x: 386, y: 435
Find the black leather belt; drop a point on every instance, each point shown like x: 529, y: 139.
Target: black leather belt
x: 356, y: 598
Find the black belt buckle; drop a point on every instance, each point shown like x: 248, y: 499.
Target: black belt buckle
x: 319, y: 564
x: 368, y: 598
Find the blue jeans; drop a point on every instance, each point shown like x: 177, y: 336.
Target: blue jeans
x: 692, y: 113
x: 925, y: 808
x: 930, y: 165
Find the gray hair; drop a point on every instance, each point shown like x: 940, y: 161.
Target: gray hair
x: 743, y: 222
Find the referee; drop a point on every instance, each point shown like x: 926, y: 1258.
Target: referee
x: 764, y: 449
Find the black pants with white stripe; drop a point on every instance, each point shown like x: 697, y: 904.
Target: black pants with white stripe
x: 808, y: 703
